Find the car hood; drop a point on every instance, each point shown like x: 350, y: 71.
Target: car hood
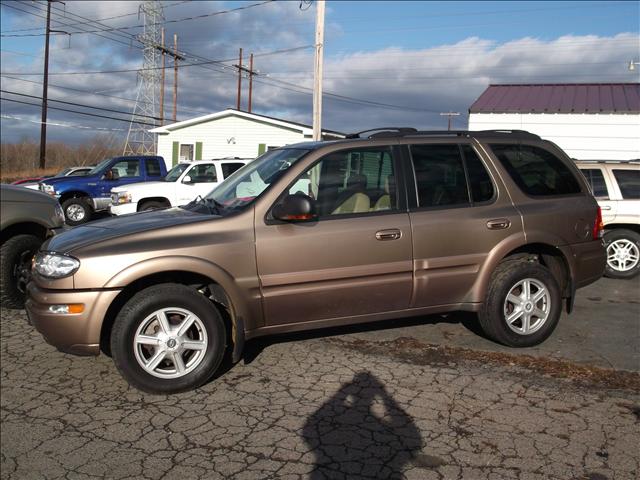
x: 102, y: 230
x: 71, y: 179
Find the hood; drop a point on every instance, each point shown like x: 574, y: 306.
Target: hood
x: 19, y: 193
x: 102, y: 230
x: 70, y: 179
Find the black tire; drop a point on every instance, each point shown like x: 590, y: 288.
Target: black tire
x: 152, y: 205
x: 15, y: 268
x: 626, y: 243
x: 128, y: 356
x: 505, y: 279
x: 77, y: 211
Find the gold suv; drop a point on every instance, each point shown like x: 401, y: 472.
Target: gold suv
x: 392, y: 224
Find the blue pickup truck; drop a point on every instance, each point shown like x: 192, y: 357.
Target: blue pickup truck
x: 81, y: 196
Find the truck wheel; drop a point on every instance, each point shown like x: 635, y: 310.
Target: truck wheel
x: 152, y: 206
x: 76, y: 211
x: 15, y: 269
x: 623, y: 253
x: 168, y: 338
x: 523, y: 304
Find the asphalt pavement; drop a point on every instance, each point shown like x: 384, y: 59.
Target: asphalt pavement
x: 421, y: 398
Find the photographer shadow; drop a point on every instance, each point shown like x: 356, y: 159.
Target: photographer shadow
x: 362, y: 432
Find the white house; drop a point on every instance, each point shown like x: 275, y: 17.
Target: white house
x: 230, y: 133
x: 588, y: 121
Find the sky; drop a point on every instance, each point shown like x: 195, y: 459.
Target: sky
x: 386, y: 63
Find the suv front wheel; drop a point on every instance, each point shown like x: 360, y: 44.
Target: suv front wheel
x: 523, y: 304
x: 168, y: 338
x: 623, y: 253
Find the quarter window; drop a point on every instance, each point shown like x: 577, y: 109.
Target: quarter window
x: 440, y: 176
x: 595, y: 179
x: 229, y: 168
x: 629, y: 183
x: 536, y: 171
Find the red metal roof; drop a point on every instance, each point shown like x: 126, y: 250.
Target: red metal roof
x: 560, y: 98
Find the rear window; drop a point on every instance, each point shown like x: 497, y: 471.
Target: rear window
x: 595, y: 179
x: 538, y: 172
x: 629, y: 183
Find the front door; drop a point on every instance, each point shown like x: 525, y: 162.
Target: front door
x: 356, y: 259
x: 121, y: 173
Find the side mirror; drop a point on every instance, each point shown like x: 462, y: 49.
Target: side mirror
x: 187, y: 179
x: 295, y: 208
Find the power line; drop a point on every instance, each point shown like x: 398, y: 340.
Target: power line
x: 58, y: 124
x: 121, y: 29
x: 75, y: 104
x: 75, y: 111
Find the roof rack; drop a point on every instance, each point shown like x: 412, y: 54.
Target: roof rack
x: 400, y: 131
x: 633, y: 161
x: 391, y: 132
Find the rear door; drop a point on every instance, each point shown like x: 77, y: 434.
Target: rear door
x: 356, y: 259
x: 459, y: 212
x: 602, y: 187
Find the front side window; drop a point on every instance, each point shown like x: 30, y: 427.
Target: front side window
x: 350, y: 181
x: 203, y: 173
x: 629, y: 183
x: 126, y: 169
x: 538, y: 172
x: 595, y: 179
x: 440, y: 176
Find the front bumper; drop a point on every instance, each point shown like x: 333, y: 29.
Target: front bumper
x: 72, y: 333
x: 100, y: 203
x: 123, y: 208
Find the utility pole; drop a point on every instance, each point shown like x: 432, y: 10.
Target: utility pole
x: 239, y: 66
x: 45, y: 84
x: 317, y: 74
x: 176, y: 57
x: 449, y: 114
x: 162, y: 81
x: 251, y: 72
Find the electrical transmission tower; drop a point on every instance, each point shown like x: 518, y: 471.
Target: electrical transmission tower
x: 139, y: 140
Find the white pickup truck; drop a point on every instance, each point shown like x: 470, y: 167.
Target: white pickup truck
x: 183, y: 183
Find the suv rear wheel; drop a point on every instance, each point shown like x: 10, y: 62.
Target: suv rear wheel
x: 623, y: 253
x: 523, y: 304
x: 168, y: 338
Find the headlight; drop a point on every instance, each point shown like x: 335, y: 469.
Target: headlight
x: 59, y: 213
x: 120, y: 198
x: 54, y: 265
x: 47, y: 189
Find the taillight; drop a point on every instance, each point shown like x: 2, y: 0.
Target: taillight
x: 598, y: 226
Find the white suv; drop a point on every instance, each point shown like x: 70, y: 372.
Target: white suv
x: 184, y: 183
x: 616, y: 186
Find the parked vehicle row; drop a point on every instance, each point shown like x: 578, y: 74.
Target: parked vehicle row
x: 394, y: 224
x: 33, y: 182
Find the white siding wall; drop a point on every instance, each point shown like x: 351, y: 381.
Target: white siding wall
x: 582, y: 136
x: 216, y: 136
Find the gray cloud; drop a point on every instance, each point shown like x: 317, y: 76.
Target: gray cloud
x: 427, y: 81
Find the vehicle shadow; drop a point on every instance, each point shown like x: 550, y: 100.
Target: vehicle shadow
x: 253, y: 348
x: 361, y: 431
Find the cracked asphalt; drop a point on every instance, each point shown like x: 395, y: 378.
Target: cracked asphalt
x: 393, y: 403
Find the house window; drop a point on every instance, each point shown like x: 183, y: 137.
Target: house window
x: 186, y: 152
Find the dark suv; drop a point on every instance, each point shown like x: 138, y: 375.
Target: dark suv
x: 320, y: 234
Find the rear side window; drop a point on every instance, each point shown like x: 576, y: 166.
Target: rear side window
x: 440, y: 175
x: 479, y: 179
x: 153, y: 167
x: 229, y: 168
x: 629, y: 183
x: 595, y: 179
x: 536, y: 171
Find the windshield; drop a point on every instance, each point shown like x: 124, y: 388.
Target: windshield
x: 175, y: 172
x: 250, y: 181
x: 98, y: 168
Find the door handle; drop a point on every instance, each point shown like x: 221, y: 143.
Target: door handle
x: 606, y: 207
x: 392, y: 234
x: 498, y: 224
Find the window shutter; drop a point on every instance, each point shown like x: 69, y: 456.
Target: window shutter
x: 262, y: 147
x: 174, y: 155
x: 198, y: 150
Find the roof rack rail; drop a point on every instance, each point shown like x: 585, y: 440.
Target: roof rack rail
x: 632, y: 161
x: 400, y: 131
